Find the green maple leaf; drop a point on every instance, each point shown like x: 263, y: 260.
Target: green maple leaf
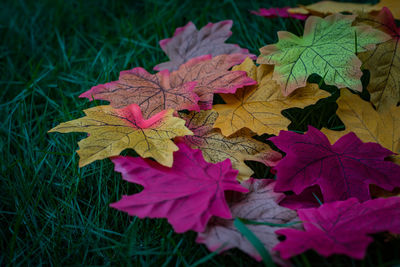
x: 328, y: 48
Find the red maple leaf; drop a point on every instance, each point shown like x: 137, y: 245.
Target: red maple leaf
x: 383, y: 62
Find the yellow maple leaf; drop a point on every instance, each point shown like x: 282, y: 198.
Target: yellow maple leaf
x: 330, y: 7
x: 237, y: 147
x: 360, y: 117
x: 259, y: 107
x: 113, y: 130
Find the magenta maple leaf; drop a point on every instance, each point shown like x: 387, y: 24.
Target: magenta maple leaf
x: 187, y: 194
x: 188, y: 43
x: 282, y: 12
x: 343, y: 170
x: 341, y: 227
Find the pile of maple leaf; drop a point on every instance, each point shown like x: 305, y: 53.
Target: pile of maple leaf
x: 332, y: 188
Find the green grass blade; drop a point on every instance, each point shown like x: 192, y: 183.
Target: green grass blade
x: 255, y: 242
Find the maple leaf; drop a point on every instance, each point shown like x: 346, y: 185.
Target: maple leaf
x: 329, y: 7
x: 152, y: 92
x: 327, y: 48
x: 259, y: 107
x: 342, y: 170
x: 370, y: 126
x: 211, y: 75
x: 187, y: 194
x: 260, y: 205
x: 341, y: 227
x: 384, y: 85
x: 281, y: 12
x: 216, y: 147
x: 113, y: 130
x: 188, y: 43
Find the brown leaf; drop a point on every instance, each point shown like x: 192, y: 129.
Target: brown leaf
x: 383, y: 62
x: 216, y: 147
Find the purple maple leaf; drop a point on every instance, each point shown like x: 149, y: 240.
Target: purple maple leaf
x: 343, y: 170
x: 187, y: 194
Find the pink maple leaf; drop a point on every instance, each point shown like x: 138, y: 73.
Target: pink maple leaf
x: 343, y: 170
x: 282, y: 12
x: 341, y: 227
x: 187, y: 194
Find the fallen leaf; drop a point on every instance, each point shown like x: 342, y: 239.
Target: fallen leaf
x: 259, y: 107
x: 383, y: 62
x: 329, y: 7
x: 361, y: 118
x: 211, y: 75
x: 327, y: 48
x: 187, y: 194
x: 152, y: 92
x: 342, y: 170
x: 341, y: 227
x: 258, y: 205
x: 393, y: 5
x: 281, y: 12
x: 188, y: 43
x: 113, y: 130
x: 216, y: 147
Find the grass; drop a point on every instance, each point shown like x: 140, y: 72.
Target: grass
x: 51, y: 211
